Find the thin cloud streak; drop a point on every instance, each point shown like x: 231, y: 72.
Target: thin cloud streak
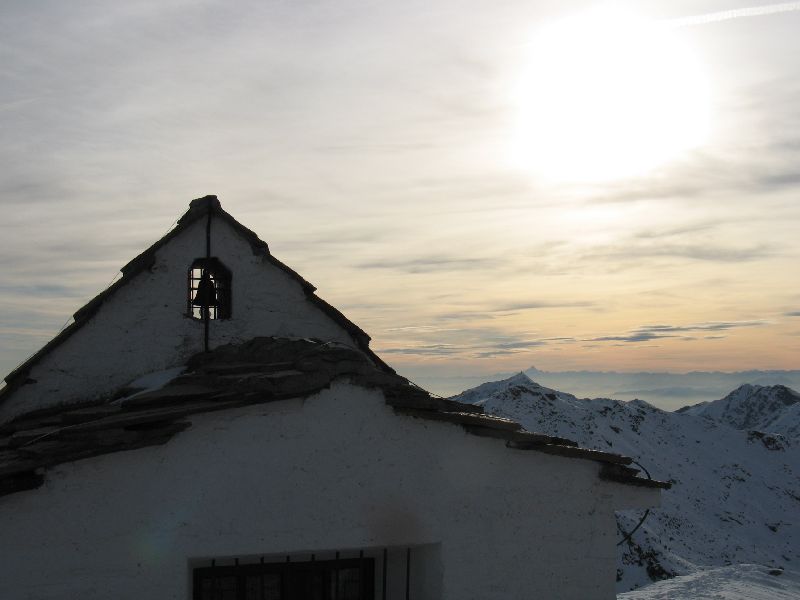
x: 431, y: 264
x: 697, y: 252
x: 736, y: 13
x: 534, y: 305
x: 648, y: 333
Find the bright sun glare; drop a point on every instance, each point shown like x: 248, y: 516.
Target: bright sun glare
x: 608, y: 95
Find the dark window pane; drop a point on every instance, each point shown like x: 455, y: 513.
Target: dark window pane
x: 349, y: 584
x: 346, y: 579
x: 207, y: 589
x: 252, y: 588
x: 272, y: 586
x: 226, y: 588
x: 308, y: 585
x: 269, y: 584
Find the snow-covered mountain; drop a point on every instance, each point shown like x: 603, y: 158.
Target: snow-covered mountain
x: 735, y: 497
x: 735, y: 582
x: 771, y: 409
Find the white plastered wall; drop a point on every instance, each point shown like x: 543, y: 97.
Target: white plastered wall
x: 143, y: 327
x: 336, y: 471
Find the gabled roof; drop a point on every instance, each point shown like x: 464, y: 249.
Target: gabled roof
x: 261, y: 370
x: 198, y: 209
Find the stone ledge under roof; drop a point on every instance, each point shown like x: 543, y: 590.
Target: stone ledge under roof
x: 264, y: 369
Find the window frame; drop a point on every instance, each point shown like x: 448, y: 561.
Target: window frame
x: 223, y: 280
x: 289, y: 571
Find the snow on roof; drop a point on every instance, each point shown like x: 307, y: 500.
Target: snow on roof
x: 260, y: 370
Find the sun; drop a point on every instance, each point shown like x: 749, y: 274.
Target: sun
x: 608, y: 95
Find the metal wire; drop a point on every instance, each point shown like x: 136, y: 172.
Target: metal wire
x: 646, y: 512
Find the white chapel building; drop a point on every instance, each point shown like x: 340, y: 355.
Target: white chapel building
x: 208, y: 428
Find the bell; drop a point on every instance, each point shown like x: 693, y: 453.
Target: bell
x: 206, y: 294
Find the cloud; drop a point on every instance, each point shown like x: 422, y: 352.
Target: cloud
x: 760, y: 163
x: 535, y: 305
x: 679, y: 230
x: 468, y: 315
x: 372, y: 306
x: 419, y: 328
x: 321, y: 239
x: 646, y: 333
x: 431, y: 350
x: 792, y: 313
x: 494, y: 353
x: 40, y: 290
x: 708, y: 326
x: 633, y: 337
x: 634, y: 252
x: 431, y: 264
x: 518, y: 345
x: 477, y: 342
x: 735, y: 13
x: 504, y: 310
x: 785, y: 179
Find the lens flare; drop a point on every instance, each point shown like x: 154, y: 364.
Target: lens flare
x: 608, y: 95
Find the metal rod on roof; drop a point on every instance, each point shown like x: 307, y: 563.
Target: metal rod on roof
x: 408, y: 570
x: 214, y: 578
x: 361, y: 582
x: 208, y: 232
x: 336, y: 577
x: 206, y: 310
x: 385, y: 555
x: 261, y: 592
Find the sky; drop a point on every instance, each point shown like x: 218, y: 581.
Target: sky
x: 481, y: 186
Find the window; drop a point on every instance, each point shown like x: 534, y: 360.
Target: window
x: 343, y: 579
x: 209, y: 290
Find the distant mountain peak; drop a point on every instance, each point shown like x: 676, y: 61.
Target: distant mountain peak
x: 785, y: 394
x: 519, y: 378
x: 768, y: 408
x: 518, y: 386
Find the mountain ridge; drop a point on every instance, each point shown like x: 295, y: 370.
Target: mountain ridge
x: 665, y: 390
x: 771, y: 409
x: 732, y: 489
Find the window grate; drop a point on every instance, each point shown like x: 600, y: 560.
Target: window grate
x: 340, y: 579
x: 209, y: 290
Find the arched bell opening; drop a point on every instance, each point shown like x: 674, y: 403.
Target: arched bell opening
x: 209, y: 290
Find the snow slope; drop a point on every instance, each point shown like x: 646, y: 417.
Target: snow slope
x: 739, y: 582
x: 735, y: 496
x: 772, y: 409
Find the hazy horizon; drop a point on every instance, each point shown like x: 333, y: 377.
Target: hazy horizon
x: 668, y: 391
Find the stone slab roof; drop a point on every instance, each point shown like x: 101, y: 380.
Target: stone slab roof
x: 261, y: 370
